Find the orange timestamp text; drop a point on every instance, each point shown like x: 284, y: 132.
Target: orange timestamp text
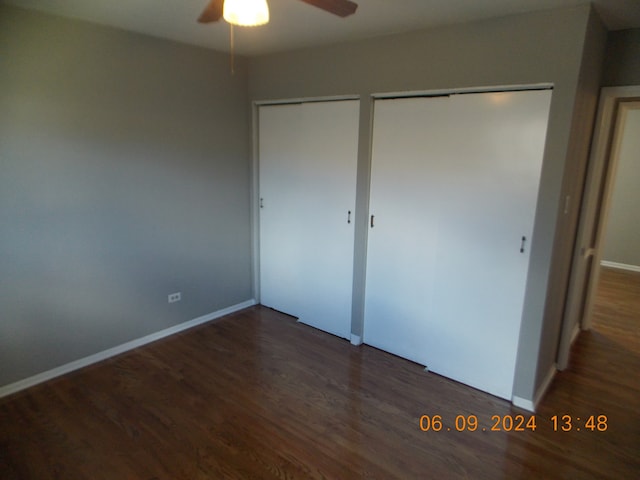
x: 512, y: 423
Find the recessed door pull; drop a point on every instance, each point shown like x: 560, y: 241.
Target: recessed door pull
x: 261, y: 203
x: 524, y: 239
x: 349, y: 216
x: 372, y: 217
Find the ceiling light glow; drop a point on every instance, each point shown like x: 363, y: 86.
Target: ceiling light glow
x: 246, y: 13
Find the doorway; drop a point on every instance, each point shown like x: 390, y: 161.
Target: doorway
x: 617, y: 113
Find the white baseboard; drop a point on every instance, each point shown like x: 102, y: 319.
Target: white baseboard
x: 356, y: 340
x: 532, y: 405
x: 111, y: 352
x: 620, y: 266
x: 546, y: 383
x: 523, y: 403
x: 575, y: 333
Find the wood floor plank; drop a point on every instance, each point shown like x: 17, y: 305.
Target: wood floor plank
x: 258, y: 396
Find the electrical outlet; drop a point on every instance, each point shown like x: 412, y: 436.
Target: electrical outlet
x: 175, y: 297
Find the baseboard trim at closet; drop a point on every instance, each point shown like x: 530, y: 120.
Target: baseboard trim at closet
x: 532, y: 405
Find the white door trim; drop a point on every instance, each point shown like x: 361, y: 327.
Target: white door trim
x: 593, y: 215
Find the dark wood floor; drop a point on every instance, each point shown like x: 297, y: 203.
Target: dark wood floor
x: 259, y: 396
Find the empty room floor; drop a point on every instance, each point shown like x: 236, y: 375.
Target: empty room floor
x: 256, y: 395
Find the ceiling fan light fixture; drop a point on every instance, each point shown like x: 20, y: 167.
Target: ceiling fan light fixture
x: 246, y: 13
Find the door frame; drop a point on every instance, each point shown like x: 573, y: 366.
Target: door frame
x: 614, y: 101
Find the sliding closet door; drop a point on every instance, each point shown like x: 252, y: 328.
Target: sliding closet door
x: 308, y: 155
x: 454, y: 189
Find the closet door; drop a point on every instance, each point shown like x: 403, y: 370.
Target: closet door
x: 308, y: 156
x: 453, y: 191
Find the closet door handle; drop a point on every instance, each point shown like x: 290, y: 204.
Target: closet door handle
x: 524, y: 240
x: 372, y: 217
x: 349, y: 216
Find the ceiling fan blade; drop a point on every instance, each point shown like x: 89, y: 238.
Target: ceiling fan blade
x: 212, y: 12
x: 342, y: 8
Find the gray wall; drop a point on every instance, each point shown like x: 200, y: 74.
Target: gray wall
x: 622, y: 65
x: 124, y: 176
x: 585, y: 107
x: 622, y: 236
x: 524, y: 49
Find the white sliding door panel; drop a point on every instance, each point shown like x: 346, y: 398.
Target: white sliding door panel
x: 490, y: 206
x: 481, y: 155
x: 404, y: 239
x: 308, y: 157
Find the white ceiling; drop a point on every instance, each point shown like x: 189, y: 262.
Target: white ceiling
x: 295, y: 24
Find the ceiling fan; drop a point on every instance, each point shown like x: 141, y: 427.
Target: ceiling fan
x: 342, y: 8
